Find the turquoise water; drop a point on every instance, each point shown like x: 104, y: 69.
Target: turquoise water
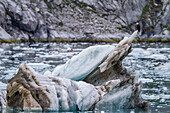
x: 151, y: 60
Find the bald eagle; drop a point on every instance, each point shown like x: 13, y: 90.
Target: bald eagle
x: 138, y: 27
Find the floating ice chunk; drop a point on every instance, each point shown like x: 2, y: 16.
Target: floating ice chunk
x: 36, y: 65
x: 150, y: 97
x: 165, y: 50
x: 155, y: 97
x: 145, y: 80
x: 2, y: 85
x: 18, y: 55
x: 157, y: 57
x: 139, y: 52
x: 153, y: 50
x: 1, y: 50
x: 164, y: 67
x: 1, y: 67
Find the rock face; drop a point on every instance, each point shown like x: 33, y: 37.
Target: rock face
x: 107, y: 82
x: 4, y: 34
x: 51, y: 19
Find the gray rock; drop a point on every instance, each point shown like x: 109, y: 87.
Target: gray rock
x: 4, y: 34
x: 2, y: 14
x: 42, y: 32
x: 29, y: 21
x: 105, y: 17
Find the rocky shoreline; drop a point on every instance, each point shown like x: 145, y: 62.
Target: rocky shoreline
x: 93, y: 40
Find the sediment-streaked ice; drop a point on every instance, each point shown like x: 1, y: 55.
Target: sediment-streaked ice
x: 54, y: 93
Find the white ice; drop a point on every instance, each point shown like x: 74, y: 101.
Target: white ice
x: 79, y: 66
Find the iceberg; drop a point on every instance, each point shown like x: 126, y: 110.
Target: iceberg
x: 91, y: 80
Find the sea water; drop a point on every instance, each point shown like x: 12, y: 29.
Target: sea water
x: 150, y: 60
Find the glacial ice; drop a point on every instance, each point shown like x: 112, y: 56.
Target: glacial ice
x: 105, y: 81
x: 79, y: 66
x: 54, y: 93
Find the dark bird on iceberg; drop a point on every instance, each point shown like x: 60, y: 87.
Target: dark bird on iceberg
x: 138, y: 27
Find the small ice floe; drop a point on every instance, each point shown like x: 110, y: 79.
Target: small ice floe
x: 69, y: 49
x: 47, y: 55
x: 165, y: 66
x: 153, y: 50
x: 37, y: 65
x: 27, y: 48
x: 2, y: 85
x: 165, y: 69
x: 165, y: 88
x: 145, y: 80
x: 2, y: 68
x: 155, y: 97
x: 35, y: 45
x: 16, y: 48
x: 18, y: 55
x: 139, y: 52
x: 10, y: 73
x: 157, y: 57
x: 164, y: 50
x: 151, y: 97
x: 41, y: 67
x: 165, y: 96
x: 1, y: 50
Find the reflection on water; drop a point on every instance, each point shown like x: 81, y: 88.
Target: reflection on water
x: 151, y: 60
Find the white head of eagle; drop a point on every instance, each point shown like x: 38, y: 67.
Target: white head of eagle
x: 138, y: 27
